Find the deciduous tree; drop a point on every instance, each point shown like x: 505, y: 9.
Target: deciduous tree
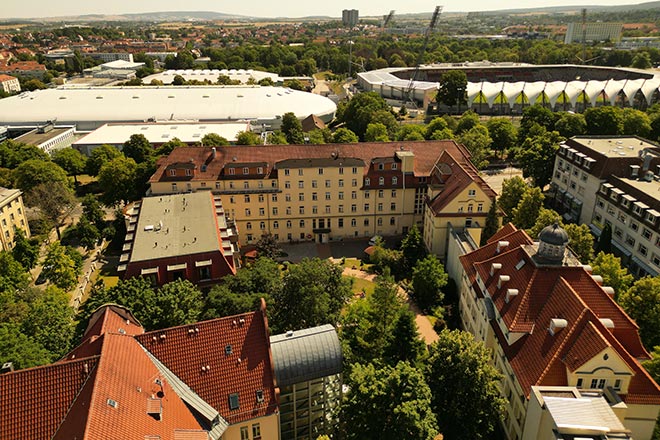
x: 503, y: 134
x: 117, y: 178
x: 99, y: 157
x: 581, y: 242
x: 20, y: 349
x: 527, y: 211
x: 537, y: 155
x: 25, y: 251
x: 604, y: 120
x: 138, y: 148
x: 642, y: 303
x: 292, y: 129
x: 214, y: 140
x: 609, y: 267
x: 55, y: 200
x: 413, y: 249
x: 34, y: 172
x: 513, y: 190
x: 344, y: 135
x: 71, y: 161
x: 428, y: 280
x: 452, y: 91
x: 59, y: 267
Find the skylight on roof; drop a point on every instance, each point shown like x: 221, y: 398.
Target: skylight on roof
x: 233, y: 401
x: 228, y: 349
x: 520, y: 264
x: 113, y: 403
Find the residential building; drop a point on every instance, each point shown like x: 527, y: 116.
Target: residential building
x: 334, y: 191
x: 209, y: 380
x: 593, y: 32
x: 311, y: 387
x: 49, y: 137
x: 9, y: 84
x: 31, y: 69
x: 350, y: 17
x: 12, y: 216
x: 108, y: 57
x: 550, y: 322
x: 179, y: 236
x: 610, y: 180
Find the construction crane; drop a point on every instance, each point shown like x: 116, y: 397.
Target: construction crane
x: 420, y: 56
x: 387, y: 18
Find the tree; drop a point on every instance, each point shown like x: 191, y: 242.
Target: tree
x: 428, y: 280
x: 388, y: 403
x: 169, y: 146
x: 406, y: 344
x: 581, y: 242
x: 99, y: 157
x: 410, y: 132
x: 138, y: 148
x: 503, y: 134
x: 25, y: 251
x: 642, y: 61
x: 276, y: 138
x: 642, y: 303
x: 453, y: 89
x: 609, y: 267
x: 178, y: 80
x: 376, y: 133
x: 477, y: 141
x: 71, y: 161
x: 248, y: 138
x: 344, y: 135
x: 13, y: 153
x: 464, y: 386
x: 513, y: 190
x: 292, y: 129
x: 527, y: 211
x: 221, y: 301
x: 181, y: 303
x: 546, y: 217
x: 571, y: 124
x: 20, y: 349
x: 12, y: 274
x: 59, y: 267
x: 413, y: 249
x: 535, y: 115
x: 55, y: 200
x: 50, y: 321
x: 92, y: 210
x: 313, y: 293
x: 267, y: 246
x: 605, y: 120
x: 636, y: 123
x: 468, y: 121
x: 88, y: 234
x: 360, y: 111
x: 34, y: 172
x: 214, y: 140
x: 605, y: 240
x: 437, y: 124
x: 117, y: 178
x: 492, y: 224
x: 537, y: 155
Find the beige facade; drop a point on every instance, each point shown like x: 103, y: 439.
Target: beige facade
x: 12, y: 216
x: 266, y: 428
x: 9, y: 84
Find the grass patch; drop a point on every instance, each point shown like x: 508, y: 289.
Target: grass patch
x: 360, y: 285
x: 109, y: 281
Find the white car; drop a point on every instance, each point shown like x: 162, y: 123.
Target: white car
x: 373, y: 240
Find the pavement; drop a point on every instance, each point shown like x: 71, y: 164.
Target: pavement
x: 495, y: 178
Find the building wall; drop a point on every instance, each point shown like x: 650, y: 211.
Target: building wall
x: 11, y: 85
x: 63, y: 140
x: 12, y: 215
x: 579, y: 183
x: 640, y: 419
x: 308, y: 409
x: 266, y: 428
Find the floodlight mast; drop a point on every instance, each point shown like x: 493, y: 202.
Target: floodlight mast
x: 420, y: 56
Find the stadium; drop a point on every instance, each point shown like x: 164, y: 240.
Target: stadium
x: 507, y: 88
x: 91, y: 107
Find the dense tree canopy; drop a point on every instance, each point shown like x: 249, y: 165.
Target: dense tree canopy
x: 428, y: 280
x: 642, y: 303
x: 609, y: 267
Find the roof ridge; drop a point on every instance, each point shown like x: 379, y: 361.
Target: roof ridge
x: 82, y: 387
x: 525, y: 297
x: 208, y: 321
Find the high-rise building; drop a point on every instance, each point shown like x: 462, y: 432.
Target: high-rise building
x: 350, y: 17
x: 594, y: 32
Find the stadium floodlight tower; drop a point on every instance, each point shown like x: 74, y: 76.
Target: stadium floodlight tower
x: 420, y: 56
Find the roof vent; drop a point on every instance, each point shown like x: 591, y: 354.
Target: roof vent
x: 503, y: 279
x: 241, y: 321
x: 260, y: 396
x: 556, y: 324
x: 501, y: 245
x: 587, y: 268
x: 607, y: 322
x: 609, y: 290
x: 113, y: 403
x: 154, y: 408
x: 8, y: 367
x: 510, y: 294
x: 598, y: 279
x: 494, y: 268
x: 289, y: 333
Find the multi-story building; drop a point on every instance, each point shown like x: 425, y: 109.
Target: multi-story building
x: 210, y: 380
x: 593, y: 32
x: 49, y: 137
x: 350, y: 17
x: 12, y: 217
x: 9, y: 84
x: 550, y: 322
x: 311, y: 387
x: 31, y: 69
x: 334, y: 191
x: 611, y: 180
x: 107, y: 57
x: 180, y: 236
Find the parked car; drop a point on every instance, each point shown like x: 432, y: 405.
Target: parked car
x: 375, y: 239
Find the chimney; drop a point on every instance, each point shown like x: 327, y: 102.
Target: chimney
x: 510, y: 294
x: 609, y: 290
x: 503, y: 280
x: 213, y: 152
x: 608, y: 323
x: 598, y: 279
x: 494, y: 268
x: 501, y: 245
x: 556, y: 324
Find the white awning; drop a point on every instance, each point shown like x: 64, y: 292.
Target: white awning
x: 629, y: 197
x: 177, y: 266
x: 641, y: 205
x: 654, y: 213
x: 149, y: 270
x: 203, y: 263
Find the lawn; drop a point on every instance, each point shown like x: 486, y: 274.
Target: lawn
x: 359, y: 284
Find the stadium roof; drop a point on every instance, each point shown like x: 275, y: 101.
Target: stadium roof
x: 95, y: 106
x: 212, y: 75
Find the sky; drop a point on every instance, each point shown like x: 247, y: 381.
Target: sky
x: 270, y: 8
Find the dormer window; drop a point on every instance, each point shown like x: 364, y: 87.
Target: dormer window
x: 172, y: 172
x: 233, y: 401
x: 231, y: 171
x: 188, y: 172
x: 246, y: 170
x: 381, y: 166
x: 260, y: 170
x: 381, y: 181
x: 395, y: 166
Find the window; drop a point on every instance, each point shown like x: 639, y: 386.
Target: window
x: 248, y: 225
x: 341, y: 208
x: 366, y: 222
x: 247, y: 212
x: 288, y: 210
x: 646, y: 233
x: 472, y: 192
x: 174, y: 187
x: 256, y: 432
x: 302, y: 235
x: 328, y: 184
x: 381, y: 193
x: 327, y: 196
x: 231, y: 199
x: 643, y: 250
x: 354, y: 170
x: 341, y: 195
x: 341, y: 181
x: 470, y: 207
x: 301, y: 184
x: 246, y: 198
x: 262, y: 225
x: 392, y: 206
x: 315, y: 196
x: 315, y: 209
x: 188, y: 172
x: 327, y: 209
x: 600, y: 203
x: 276, y: 224
x: 286, y: 171
x: 273, y: 198
x: 261, y: 198
x: 353, y: 208
x: 315, y: 184
x: 393, y: 193
x: 353, y: 222
x: 634, y: 226
x: 300, y: 171
x: 288, y: 226
x: 301, y: 197
x: 366, y: 207
x: 287, y: 184
x: 260, y: 170
x: 233, y: 401
x: 630, y: 241
x: 579, y: 383
x: 656, y: 260
x: 320, y: 171
x: 353, y: 194
x: 392, y: 221
x: 480, y: 207
x: 340, y: 222
x: 301, y: 210
x: 302, y: 223
x: 395, y: 166
x: 367, y: 194
x: 354, y: 182
x: 217, y: 185
x: 395, y: 180
x: 380, y: 207
x: 381, y: 166
x: 381, y: 181
x: 380, y: 221
x: 245, y: 435
x: 262, y: 212
x: 172, y: 172
x: 367, y: 181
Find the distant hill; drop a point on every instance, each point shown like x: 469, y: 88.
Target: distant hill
x: 576, y: 8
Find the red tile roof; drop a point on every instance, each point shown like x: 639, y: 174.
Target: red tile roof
x: 546, y: 292
x: 426, y: 153
x: 115, y: 385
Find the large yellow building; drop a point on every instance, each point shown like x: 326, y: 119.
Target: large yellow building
x: 550, y: 322
x: 334, y: 191
x: 12, y: 216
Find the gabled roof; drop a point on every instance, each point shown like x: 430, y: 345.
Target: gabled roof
x: 121, y: 383
x: 546, y: 292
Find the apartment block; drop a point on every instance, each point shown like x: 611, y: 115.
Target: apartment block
x: 330, y: 192
x: 12, y: 216
x: 9, y: 84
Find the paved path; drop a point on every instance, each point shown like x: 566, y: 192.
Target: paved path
x: 424, y: 326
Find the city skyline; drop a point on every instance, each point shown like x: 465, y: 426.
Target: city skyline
x: 284, y: 8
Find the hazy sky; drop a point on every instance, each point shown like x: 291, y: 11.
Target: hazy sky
x: 268, y: 8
